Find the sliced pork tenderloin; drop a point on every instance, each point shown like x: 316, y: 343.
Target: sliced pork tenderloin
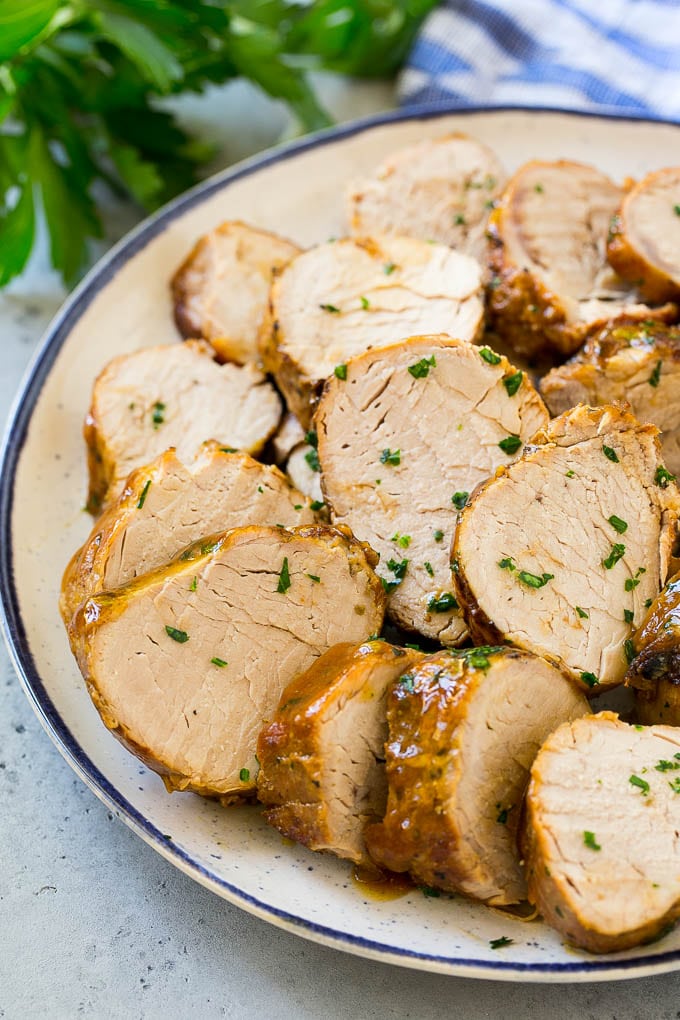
x: 560, y: 551
x: 601, y: 839
x: 220, y: 290
x: 440, y: 189
x: 654, y: 673
x: 166, y: 506
x: 176, y: 395
x: 644, y: 239
x: 403, y: 438
x: 185, y: 664
x: 464, y: 728
x: 551, y: 284
x: 345, y: 297
x: 322, y: 771
x: 638, y: 363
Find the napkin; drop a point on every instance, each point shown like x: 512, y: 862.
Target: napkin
x: 612, y: 56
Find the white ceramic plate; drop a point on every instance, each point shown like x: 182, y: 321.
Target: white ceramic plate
x: 124, y: 304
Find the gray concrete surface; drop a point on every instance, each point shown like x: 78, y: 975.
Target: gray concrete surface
x: 94, y: 924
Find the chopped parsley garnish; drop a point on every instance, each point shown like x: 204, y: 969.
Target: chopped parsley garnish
x: 648, y: 603
x: 656, y: 375
x: 590, y: 841
x: 629, y: 650
x: 228, y: 449
x: 330, y: 308
x: 403, y: 540
x: 582, y: 613
x: 177, y: 635
x: 611, y: 454
x: 628, y: 615
x: 158, y: 414
x: 533, y: 580
x: 317, y: 504
x: 632, y: 582
x: 422, y: 368
x: 216, y: 661
x: 501, y: 942
x: 311, y: 438
x: 539, y: 188
x: 491, y: 358
x: 513, y: 382
x: 589, y: 679
x: 260, y: 489
x: 143, y: 493
x: 429, y: 891
x: 312, y: 458
x: 442, y: 603
x: 406, y: 681
x: 244, y: 775
x: 641, y: 784
x: 615, y: 555
x: 459, y: 220
x: 438, y: 535
x: 389, y: 268
x: 392, y: 457
x: 502, y: 816
x: 194, y: 584
x: 365, y: 303
x: 284, y: 578
x: 459, y: 499
x: 477, y: 659
x: 662, y: 477
x: 507, y: 563
x: 340, y: 372
x: 570, y: 473
x: 315, y: 578
x: 428, y: 568
x: 676, y: 210
x: 668, y: 766
x: 398, y: 567
x: 510, y: 444
x: 617, y: 524
x: 675, y: 784
x: 297, y: 506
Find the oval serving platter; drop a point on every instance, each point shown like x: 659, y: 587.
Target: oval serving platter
x: 124, y: 304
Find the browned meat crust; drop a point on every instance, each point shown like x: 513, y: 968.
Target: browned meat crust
x: 654, y: 673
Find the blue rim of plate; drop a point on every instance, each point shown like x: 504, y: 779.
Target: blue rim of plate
x: 15, y: 634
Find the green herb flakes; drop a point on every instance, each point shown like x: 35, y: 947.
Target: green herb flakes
x: 340, y: 372
x: 315, y: 578
x: 611, y: 454
x: 533, y: 580
x: 676, y: 210
x: 180, y: 636
x: 421, y: 369
x: 429, y: 892
x: 510, y: 444
x: 398, y: 568
x: 365, y: 303
x: 216, y: 661
x: 491, y: 358
x: 513, y: 382
x: 628, y: 615
x: 662, y: 477
x: 442, y: 603
x: 629, y: 650
x: 312, y: 458
x: 428, y: 568
x: 570, y: 474
x: 438, y: 535
x: 502, y: 816
x: 675, y: 784
x: 407, y: 682
x: 459, y: 220
x: 317, y: 504
x: 640, y: 784
x: 539, y: 188
x: 648, y: 603
x: 617, y: 524
x: 143, y: 494
x: 194, y: 584
x: 590, y: 841
x: 284, y: 578
x: 391, y: 457
x: 403, y: 540
x: 582, y: 613
x: 459, y: 499
x: 615, y: 555
x: 589, y: 679
x: 244, y: 775
x: 501, y: 942
x: 158, y: 414
x: 388, y: 268
x: 330, y: 308
x: 656, y: 375
x: 507, y: 563
x: 668, y: 766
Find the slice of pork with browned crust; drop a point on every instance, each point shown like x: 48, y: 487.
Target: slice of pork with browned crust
x: 464, y: 728
x: 167, y: 505
x: 186, y: 663
x: 644, y: 239
x: 220, y: 290
x: 322, y: 771
x: 345, y: 297
x: 551, y: 282
x: 403, y: 438
x: 559, y: 552
x: 638, y: 363
x: 602, y: 822
x: 176, y: 395
x: 654, y: 673
x: 440, y: 189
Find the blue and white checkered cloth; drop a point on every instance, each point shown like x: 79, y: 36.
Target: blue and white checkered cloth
x: 614, y: 56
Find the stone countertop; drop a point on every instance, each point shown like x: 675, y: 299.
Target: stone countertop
x: 93, y: 922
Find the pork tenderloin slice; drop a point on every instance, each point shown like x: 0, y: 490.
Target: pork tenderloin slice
x: 654, y: 673
x: 638, y: 363
x: 289, y: 434
x: 402, y: 440
x: 551, y: 283
x: 175, y: 395
x: 601, y: 839
x: 464, y: 728
x: 644, y: 240
x: 344, y: 297
x: 166, y: 506
x: 560, y: 551
x: 322, y: 772
x: 220, y: 290
x: 441, y: 189
x: 186, y: 663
